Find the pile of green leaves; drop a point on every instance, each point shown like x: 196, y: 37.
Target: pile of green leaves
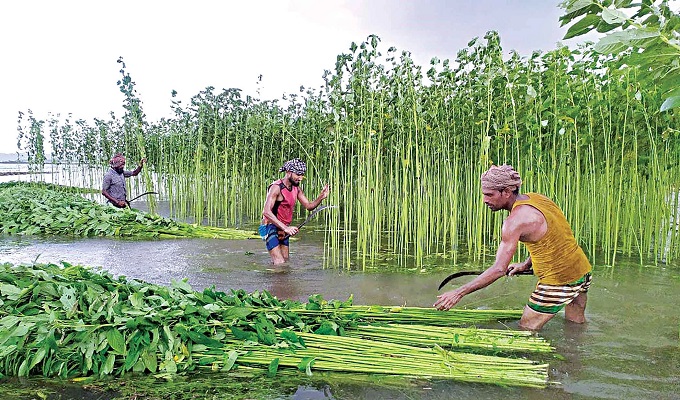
x: 30, y: 209
x: 66, y: 321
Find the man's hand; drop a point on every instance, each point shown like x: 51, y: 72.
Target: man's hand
x: 517, y: 268
x: 447, y: 300
x: 122, y: 203
x: 142, y: 162
x: 291, y: 230
x: 324, y: 192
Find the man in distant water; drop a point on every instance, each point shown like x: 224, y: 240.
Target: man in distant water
x: 563, y: 270
x: 113, y: 187
x: 277, y: 215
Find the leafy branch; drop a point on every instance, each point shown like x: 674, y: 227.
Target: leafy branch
x: 643, y: 34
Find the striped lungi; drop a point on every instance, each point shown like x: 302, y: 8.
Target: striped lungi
x: 549, y: 299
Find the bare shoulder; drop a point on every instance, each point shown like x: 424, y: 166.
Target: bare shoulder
x: 527, y: 212
x: 528, y: 222
x: 274, y: 190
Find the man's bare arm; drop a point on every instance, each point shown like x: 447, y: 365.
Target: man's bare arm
x: 513, y: 228
x: 310, y: 205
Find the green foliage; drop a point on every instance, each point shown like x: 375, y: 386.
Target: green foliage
x: 32, y: 140
x: 403, y: 146
x: 31, y: 209
x: 67, y: 321
x: 648, y: 39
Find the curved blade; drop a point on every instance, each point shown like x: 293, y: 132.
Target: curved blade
x: 465, y: 273
x: 143, y: 194
x: 456, y: 275
x: 309, y: 218
x: 313, y: 214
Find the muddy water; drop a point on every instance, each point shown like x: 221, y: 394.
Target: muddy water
x: 629, y: 349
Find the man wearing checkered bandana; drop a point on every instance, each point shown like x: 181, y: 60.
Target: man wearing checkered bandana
x: 277, y: 214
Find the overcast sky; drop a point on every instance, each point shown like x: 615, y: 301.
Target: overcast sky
x: 60, y: 56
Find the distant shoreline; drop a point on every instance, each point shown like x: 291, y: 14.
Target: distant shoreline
x: 9, y: 173
x: 24, y: 162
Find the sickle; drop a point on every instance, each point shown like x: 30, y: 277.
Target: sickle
x: 143, y: 194
x: 312, y: 216
x: 465, y: 273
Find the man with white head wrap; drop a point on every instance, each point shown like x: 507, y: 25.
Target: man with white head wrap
x: 113, y: 185
x: 562, y: 268
x: 277, y: 214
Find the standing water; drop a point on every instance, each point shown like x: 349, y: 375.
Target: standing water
x: 629, y: 349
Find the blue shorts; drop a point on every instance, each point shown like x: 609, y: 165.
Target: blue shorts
x: 272, y: 236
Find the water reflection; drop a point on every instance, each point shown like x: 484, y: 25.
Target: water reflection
x: 311, y: 393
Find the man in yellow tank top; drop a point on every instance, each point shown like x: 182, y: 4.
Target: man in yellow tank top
x: 562, y: 268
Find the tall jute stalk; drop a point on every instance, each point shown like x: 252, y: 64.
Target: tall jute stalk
x: 403, y: 149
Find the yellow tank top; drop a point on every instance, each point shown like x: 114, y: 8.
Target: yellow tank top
x: 557, y: 259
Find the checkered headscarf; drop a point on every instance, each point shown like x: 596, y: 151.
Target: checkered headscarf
x: 295, y: 166
x: 117, y: 161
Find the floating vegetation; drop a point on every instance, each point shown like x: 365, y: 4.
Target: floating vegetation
x: 71, y: 321
x: 30, y: 209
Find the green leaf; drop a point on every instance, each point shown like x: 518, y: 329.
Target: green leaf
x: 170, y: 366
x: 116, y: 340
x: 107, y: 367
x: 622, y: 3
x: 139, y: 366
x: 579, y: 8
x: 327, y: 328
x: 137, y: 300
x: 12, y: 292
x: 306, y: 365
x: 39, y: 355
x: 583, y: 26
x: 273, y: 367
x: 671, y: 82
x: 243, y: 335
x: 613, y: 16
x: 576, y: 5
x: 182, y: 285
x: 670, y: 102
x: 603, y: 26
x: 198, y: 337
x: 212, y: 307
x: 614, y: 43
x: 22, y: 329
x: 23, y: 368
x: 150, y: 361
x: 8, y: 322
x: 290, y: 336
x: 131, y: 359
x: 68, y: 298
x: 230, y: 360
x: 7, y: 350
x: 237, y: 313
x: 206, y: 360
